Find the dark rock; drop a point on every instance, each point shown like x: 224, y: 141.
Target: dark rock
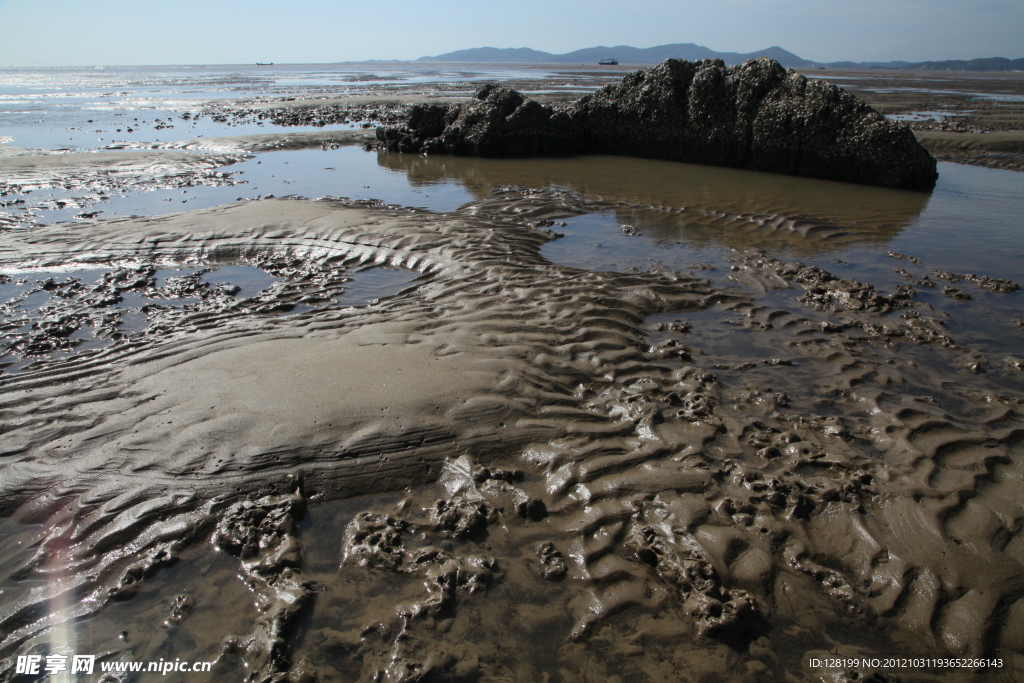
x: 755, y: 116
x: 499, y: 123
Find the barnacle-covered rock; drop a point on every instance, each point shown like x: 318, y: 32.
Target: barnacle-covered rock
x: 756, y: 115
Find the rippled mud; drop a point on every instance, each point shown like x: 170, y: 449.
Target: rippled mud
x: 509, y: 466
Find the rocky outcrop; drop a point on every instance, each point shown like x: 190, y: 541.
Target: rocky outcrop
x: 756, y: 116
x: 499, y: 123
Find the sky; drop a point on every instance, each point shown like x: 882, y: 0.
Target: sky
x: 119, y: 32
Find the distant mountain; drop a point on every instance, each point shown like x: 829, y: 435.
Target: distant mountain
x: 986, y: 64
x: 693, y: 52
x: 623, y: 53
x: 493, y: 54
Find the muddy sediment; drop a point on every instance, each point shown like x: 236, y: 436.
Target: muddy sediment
x: 587, y: 481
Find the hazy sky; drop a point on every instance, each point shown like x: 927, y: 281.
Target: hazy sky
x: 107, y: 32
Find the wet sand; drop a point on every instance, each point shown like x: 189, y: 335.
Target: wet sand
x: 524, y: 465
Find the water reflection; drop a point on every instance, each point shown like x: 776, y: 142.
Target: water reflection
x: 698, y: 204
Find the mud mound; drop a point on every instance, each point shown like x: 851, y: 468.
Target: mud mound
x: 755, y: 116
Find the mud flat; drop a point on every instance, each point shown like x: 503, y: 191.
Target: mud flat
x: 631, y: 503
x: 515, y: 463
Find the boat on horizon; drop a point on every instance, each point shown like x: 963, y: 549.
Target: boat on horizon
x: 608, y: 62
x: 264, y: 64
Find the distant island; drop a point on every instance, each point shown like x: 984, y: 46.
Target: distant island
x: 626, y: 54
